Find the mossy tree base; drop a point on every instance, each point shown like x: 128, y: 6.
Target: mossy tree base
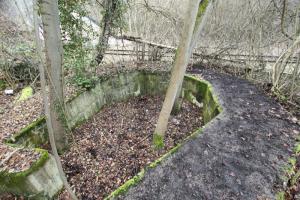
x: 158, y: 141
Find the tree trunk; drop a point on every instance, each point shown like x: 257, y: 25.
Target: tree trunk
x: 110, y: 7
x: 54, y: 70
x: 46, y: 102
x: 203, y: 10
x: 178, y: 72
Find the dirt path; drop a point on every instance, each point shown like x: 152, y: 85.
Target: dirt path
x: 240, y: 154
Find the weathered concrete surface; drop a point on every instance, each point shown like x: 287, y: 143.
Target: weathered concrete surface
x: 46, y: 180
x: 125, y: 85
x: 240, y: 154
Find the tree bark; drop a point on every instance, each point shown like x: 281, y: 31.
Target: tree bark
x: 110, y: 7
x: 205, y: 7
x: 54, y: 69
x: 46, y: 102
x: 178, y: 72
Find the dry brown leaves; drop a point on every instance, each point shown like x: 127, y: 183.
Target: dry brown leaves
x: 115, y: 144
x: 16, y: 159
x: 16, y: 115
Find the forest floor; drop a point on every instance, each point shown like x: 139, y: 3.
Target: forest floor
x: 116, y: 144
x: 11, y: 111
x: 14, y: 115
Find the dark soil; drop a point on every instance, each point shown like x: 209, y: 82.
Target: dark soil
x: 115, y: 144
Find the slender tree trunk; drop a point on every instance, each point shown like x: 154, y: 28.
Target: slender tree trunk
x: 46, y: 102
x: 203, y: 10
x: 110, y: 7
x: 54, y: 70
x: 178, y: 72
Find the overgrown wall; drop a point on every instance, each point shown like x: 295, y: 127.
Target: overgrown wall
x: 123, y: 86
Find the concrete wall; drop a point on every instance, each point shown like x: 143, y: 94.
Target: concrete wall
x: 115, y: 89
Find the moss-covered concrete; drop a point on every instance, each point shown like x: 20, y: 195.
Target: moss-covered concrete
x: 123, y: 86
x: 115, y: 89
x: 33, y: 135
x: 203, y: 92
x: 40, y: 181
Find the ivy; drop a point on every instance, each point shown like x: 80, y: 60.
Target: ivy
x: 77, y: 37
x: 116, y: 13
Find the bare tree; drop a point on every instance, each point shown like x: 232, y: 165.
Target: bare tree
x: 178, y: 70
x: 111, y: 9
x: 205, y: 7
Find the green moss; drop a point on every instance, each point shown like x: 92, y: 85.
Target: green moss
x: 26, y: 93
x: 128, y: 184
x: 162, y: 158
x: 280, y: 196
x: 297, y: 148
x: 201, y: 10
x: 25, y: 132
x: 158, y: 141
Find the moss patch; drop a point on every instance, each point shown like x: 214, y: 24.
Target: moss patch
x: 32, y: 135
x: 158, y: 141
x: 128, y: 184
x: 26, y: 93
